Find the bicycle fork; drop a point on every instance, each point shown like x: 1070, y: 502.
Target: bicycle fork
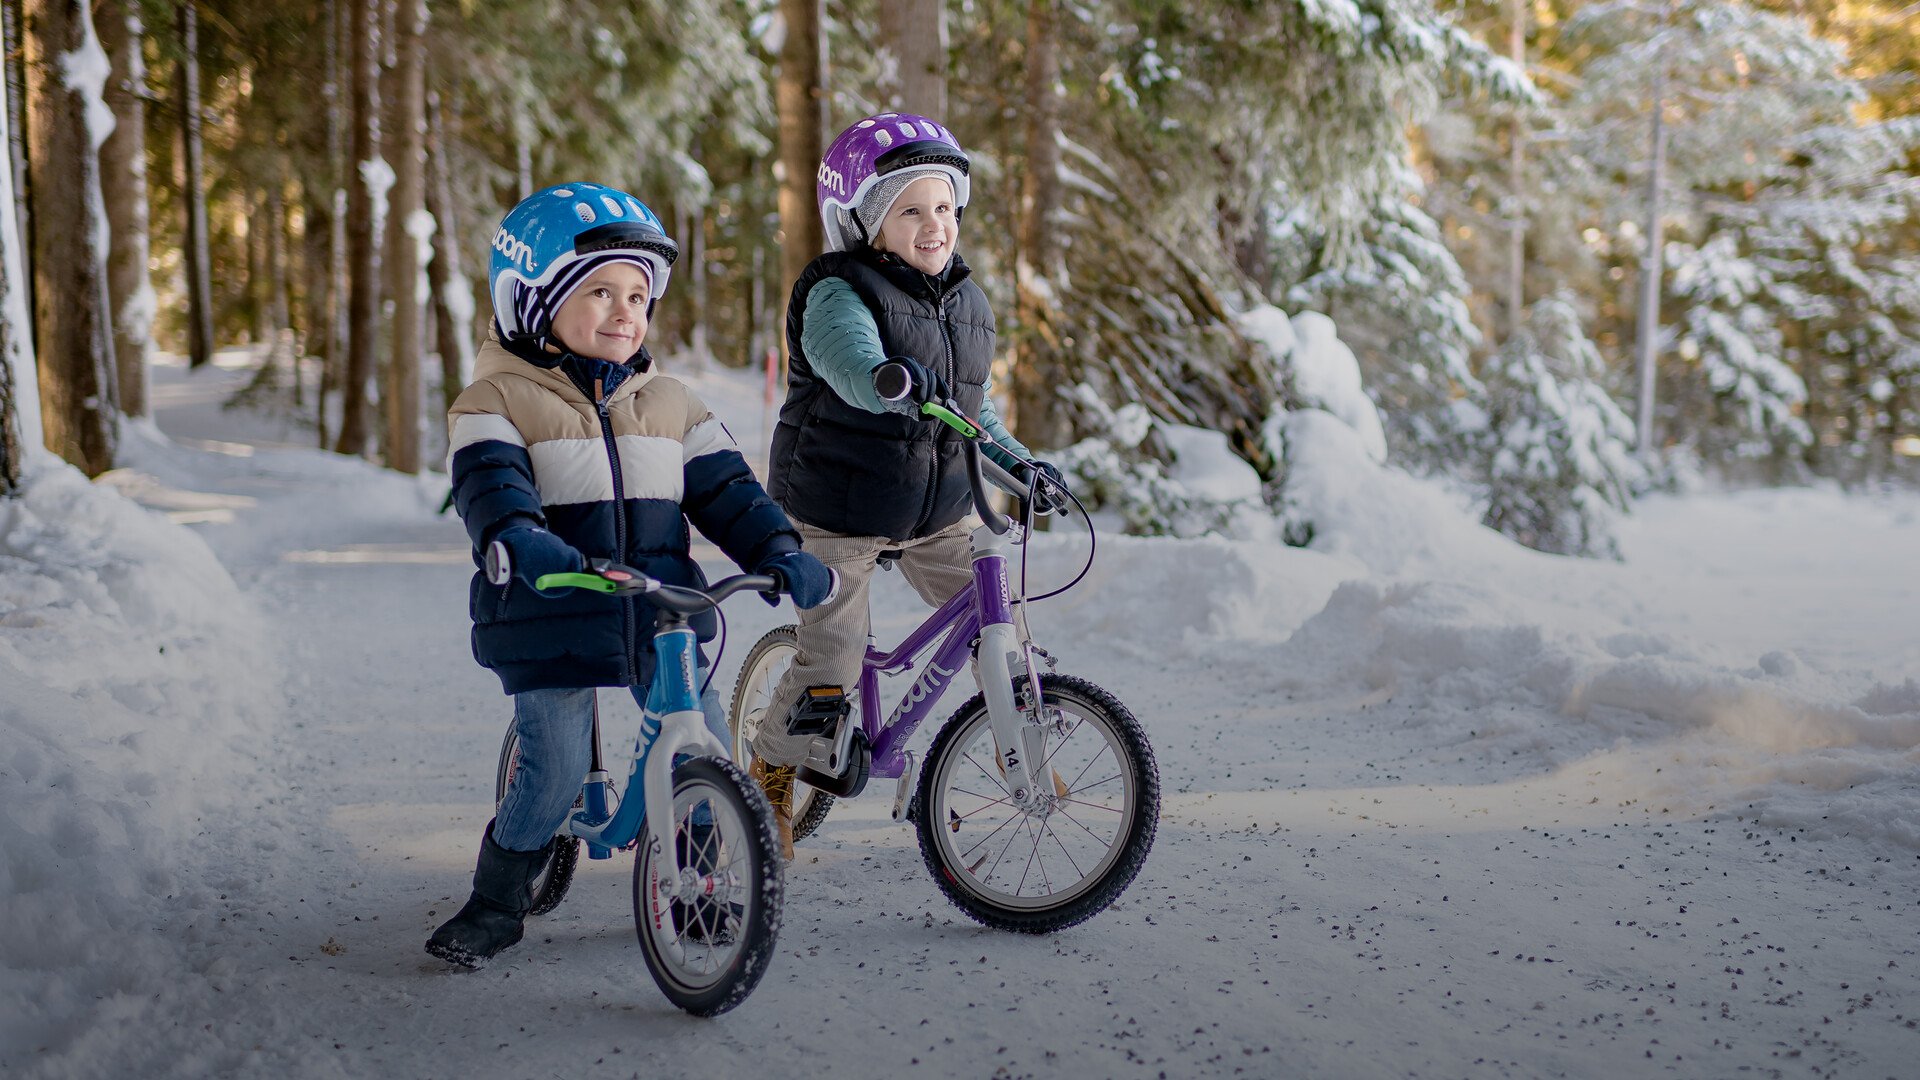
x: 1002, y: 651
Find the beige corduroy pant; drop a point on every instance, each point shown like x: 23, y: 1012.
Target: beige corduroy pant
x: 833, y: 636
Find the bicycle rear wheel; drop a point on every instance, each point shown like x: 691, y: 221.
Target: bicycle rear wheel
x: 760, y: 675
x: 550, y: 887
x: 1063, y: 860
x: 708, y: 931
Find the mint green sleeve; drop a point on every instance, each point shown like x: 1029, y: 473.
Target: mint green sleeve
x: 997, y: 431
x: 842, y: 342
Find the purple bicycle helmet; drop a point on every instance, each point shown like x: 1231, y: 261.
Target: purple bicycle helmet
x: 872, y: 148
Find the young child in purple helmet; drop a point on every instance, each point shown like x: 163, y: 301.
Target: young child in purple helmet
x: 858, y: 477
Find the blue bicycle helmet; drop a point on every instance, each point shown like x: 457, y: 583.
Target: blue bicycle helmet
x: 559, y: 227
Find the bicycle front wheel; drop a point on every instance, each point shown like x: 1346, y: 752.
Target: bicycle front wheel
x: 1065, y: 857
x: 760, y: 676
x: 551, y: 886
x: 707, y: 929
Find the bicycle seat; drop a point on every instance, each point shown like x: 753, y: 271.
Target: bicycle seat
x: 888, y: 557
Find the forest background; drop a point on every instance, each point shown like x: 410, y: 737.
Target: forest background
x: 1573, y: 250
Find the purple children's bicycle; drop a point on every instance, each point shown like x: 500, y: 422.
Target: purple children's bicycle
x: 1038, y: 799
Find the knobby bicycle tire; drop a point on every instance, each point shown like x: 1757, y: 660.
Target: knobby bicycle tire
x: 758, y: 924
x: 1122, y: 858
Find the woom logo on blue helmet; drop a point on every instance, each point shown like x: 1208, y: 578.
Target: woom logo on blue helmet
x: 515, y: 249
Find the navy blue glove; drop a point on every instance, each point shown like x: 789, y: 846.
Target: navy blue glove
x: 533, y: 552
x: 1050, y: 491
x: 802, y: 577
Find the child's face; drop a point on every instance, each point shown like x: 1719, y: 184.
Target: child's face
x: 606, y: 317
x: 922, y: 227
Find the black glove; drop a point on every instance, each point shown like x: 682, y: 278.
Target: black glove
x: 802, y: 577
x: 533, y: 552
x: 904, y: 384
x: 1049, y: 490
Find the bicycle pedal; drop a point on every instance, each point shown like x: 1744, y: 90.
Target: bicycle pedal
x: 818, y: 711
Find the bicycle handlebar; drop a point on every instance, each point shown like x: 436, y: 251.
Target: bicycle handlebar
x: 616, y: 580
x: 893, y: 383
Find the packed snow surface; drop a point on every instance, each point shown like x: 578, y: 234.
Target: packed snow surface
x: 1435, y: 805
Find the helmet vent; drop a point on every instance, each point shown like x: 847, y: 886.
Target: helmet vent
x: 563, y: 193
x: 638, y: 210
x: 907, y: 130
x: 584, y: 213
x: 612, y: 206
x: 883, y: 137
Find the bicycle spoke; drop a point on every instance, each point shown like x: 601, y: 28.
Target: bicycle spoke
x: 1061, y: 745
x: 1083, y: 827
x: 984, y: 839
x: 1011, y: 837
x: 1031, y: 855
x: 990, y: 800
x: 1080, y: 874
x: 984, y: 772
x: 1090, y: 805
x: 1077, y: 790
x: 1095, y: 756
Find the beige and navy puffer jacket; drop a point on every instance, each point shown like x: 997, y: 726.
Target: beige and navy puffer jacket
x: 614, y: 461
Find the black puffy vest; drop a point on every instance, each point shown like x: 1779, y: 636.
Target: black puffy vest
x: 841, y: 468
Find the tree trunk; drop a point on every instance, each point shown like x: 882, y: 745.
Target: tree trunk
x: 363, y: 244
x: 1516, y: 160
x: 452, y: 299
x: 194, y: 194
x: 78, y: 400
x: 316, y: 272
x: 123, y: 181
x: 405, y: 219
x: 802, y: 106
x: 19, y: 384
x: 913, y: 57
x: 278, y: 314
x: 333, y: 335
x: 1650, y: 268
x: 17, y: 129
x: 1038, y: 269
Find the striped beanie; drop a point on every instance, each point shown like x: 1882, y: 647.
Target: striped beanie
x: 535, y: 306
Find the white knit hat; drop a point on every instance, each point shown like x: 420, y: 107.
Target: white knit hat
x: 879, y: 201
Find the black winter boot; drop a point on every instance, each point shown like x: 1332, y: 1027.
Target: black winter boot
x: 494, y: 915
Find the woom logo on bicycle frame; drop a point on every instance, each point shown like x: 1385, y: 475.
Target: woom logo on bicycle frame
x: 923, y: 685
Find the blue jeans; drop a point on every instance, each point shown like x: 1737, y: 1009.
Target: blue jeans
x: 556, y: 734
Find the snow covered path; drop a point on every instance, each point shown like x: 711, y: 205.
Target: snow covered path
x: 1417, y: 825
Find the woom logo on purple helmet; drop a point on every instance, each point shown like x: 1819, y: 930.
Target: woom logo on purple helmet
x: 872, y: 148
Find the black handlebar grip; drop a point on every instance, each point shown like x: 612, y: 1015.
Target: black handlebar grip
x: 893, y: 381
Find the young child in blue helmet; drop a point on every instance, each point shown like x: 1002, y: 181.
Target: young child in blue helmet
x: 568, y: 445
x: 860, y: 475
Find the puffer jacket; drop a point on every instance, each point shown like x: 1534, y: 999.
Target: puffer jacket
x: 840, y: 466
x: 614, y: 461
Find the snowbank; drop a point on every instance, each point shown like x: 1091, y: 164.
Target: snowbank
x: 1516, y: 652
x: 134, y: 673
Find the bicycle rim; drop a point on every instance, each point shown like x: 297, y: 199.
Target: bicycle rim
x: 1032, y: 861
x: 707, y: 934
x: 753, y: 699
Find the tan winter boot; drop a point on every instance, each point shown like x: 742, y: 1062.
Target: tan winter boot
x: 777, y: 782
